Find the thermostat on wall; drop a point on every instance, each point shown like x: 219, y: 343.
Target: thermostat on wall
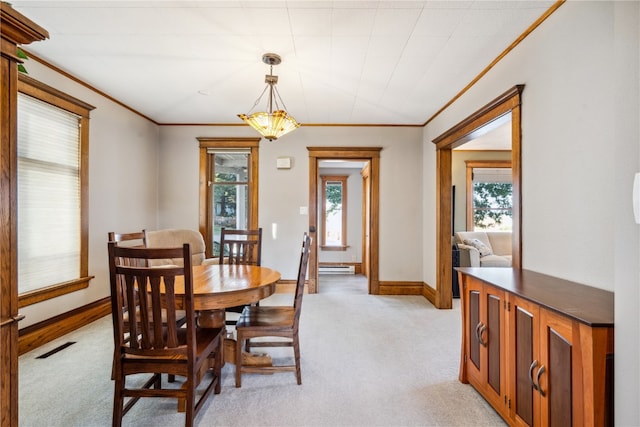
x: 283, y: 163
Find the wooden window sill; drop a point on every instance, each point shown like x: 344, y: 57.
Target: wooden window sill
x: 39, y: 295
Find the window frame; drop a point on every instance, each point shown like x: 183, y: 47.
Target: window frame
x: 471, y: 165
x: 31, y: 87
x: 206, y: 143
x: 326, y: 179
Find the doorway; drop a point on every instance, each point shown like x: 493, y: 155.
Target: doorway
x: 369, y: 156
x: 508, y: 102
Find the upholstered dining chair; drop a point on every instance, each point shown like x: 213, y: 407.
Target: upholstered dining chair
x: 156, y: 348
x: 273, y: 321
x: 172, y: 237
x: 239, y: 247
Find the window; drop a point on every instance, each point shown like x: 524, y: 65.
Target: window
x: 53, y: 131
x: 228, y: 187
x: 490, y: 195
x: 334, y: 213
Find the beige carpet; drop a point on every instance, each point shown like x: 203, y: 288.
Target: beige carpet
x: 366, y: 361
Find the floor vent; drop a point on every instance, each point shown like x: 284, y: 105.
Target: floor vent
x: 55, y: 350
x: 336, y: 269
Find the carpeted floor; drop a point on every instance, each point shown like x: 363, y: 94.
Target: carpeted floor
x: 366, y: 361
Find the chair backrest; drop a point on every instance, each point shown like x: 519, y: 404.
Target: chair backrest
x: 155, y: 289
x: 171, y: 238
x: 240, y: 246
x: 302, y: 274
x: 135, y: 239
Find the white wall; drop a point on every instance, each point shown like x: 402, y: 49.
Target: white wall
x: 580, y: 148
x: 123, y: 191
x: 284, y: 191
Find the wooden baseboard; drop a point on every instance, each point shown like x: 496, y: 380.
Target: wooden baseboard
x: 289, y: 287
x: 33, y: 336
x: 429, y: 293
x: 400, y: 288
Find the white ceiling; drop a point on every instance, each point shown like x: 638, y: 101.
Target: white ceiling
x: 344, y: 62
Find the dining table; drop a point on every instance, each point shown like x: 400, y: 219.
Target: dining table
x: 219, y: 286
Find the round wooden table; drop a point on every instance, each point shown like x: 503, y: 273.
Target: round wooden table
x: 216, y: 287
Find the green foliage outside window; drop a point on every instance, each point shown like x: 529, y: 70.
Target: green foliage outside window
x: 225, y: 195
x: 492, y: 203
x: 334, y: 197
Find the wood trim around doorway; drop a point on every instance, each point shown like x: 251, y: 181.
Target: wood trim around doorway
x: 509, y: 101
x: 372, y: 155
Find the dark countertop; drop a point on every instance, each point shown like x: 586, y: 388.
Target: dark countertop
x: 586, y: 304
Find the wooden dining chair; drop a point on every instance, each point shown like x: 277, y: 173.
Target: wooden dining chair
x: 243, y: 247
x: 273, y: 321
x: 137, y: 239
x: 240, y: 246
x: 155, y: 348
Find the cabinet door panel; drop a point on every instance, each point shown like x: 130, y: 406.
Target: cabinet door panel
x: 559, y: 374
x: 494, y: 341
x: 474, y: 322
x: 524, y: 359
x: 558, y: 396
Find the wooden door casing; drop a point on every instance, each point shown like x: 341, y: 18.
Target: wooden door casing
x: 16, y: 29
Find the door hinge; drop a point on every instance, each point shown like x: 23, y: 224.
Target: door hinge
x: 507, y: 306
x: 507, y: 402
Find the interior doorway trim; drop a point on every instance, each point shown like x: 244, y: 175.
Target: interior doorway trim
x: 509, y: 101
x: 368, y: 154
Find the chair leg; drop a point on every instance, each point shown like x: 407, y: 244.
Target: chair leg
x: 238, y: 355
x: 190, y: 401
x: 296, y: 354
x: 118, y: 403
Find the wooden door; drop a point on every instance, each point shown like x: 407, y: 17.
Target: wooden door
x: 524, y: 349
x: 492, y: 337
x: 555, y: 376
x: 484, y: 338
x: 472, y: 298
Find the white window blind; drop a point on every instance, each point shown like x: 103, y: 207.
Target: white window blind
x: 49, y: 216
x: 502, y: 175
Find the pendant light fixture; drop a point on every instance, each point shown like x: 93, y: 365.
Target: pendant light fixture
x: 271, y: 124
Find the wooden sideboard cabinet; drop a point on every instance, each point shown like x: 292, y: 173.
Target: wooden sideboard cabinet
x: 539, y: 349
